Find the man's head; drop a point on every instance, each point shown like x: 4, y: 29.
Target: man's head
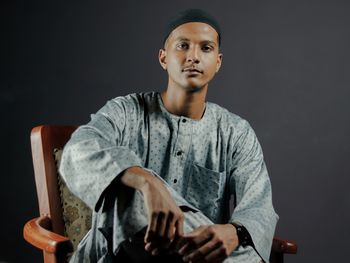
x: 191, y: 15
x: 191, y: 50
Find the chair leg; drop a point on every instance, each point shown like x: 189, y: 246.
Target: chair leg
x: 276, y: 258
x: 54, y: 258
x: 49, y: 257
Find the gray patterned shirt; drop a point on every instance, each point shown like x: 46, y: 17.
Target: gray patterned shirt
x: 211, y: 163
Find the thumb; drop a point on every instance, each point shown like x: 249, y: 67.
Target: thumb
x: 194, y: 232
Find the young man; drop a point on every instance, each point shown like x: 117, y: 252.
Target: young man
x: 158, y: 169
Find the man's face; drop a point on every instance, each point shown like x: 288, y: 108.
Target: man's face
x: 191, y: 55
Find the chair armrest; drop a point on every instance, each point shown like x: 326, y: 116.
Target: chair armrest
x: 284, y: 246
x: 37, y: 232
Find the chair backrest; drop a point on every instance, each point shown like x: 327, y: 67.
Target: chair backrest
x: 44, y: 139
x: 77, y: 216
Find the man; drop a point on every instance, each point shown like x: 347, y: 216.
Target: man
x: 158, y: 169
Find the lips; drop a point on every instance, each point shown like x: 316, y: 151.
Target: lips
x: 192, y: 70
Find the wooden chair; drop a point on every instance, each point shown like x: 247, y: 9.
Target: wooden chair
x: 46, y: 232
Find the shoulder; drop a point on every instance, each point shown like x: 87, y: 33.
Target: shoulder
x: 131, y: 103
x: 228, y: 121
x: 240, y: 135
x: 134, y: 99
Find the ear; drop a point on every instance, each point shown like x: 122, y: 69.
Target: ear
x: 218, y: 62
x: 162, y: 58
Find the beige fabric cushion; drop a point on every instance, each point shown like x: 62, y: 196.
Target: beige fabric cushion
x: 76, y: 214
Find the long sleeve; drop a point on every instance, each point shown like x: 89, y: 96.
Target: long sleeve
x: 97, y: 153
x: 251, y: 187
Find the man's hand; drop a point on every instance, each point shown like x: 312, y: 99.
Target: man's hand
x: 213, y: 243
x: 165, y: 218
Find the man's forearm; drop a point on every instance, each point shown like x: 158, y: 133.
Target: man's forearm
x: 136, y: 177
x: 165, y: 218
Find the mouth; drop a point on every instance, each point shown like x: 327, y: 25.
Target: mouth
x: 192, y: 70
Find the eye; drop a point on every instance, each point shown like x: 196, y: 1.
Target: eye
x: 207, y: 48
x: 182, y: 45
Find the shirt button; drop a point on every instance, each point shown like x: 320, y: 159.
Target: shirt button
x: 175, y: 181
x: 178, y: 153
x: 183, y: 120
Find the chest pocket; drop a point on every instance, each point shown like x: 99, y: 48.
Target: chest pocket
x: 205, y: 190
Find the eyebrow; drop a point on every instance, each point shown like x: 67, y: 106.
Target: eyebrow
x: 188, y: 40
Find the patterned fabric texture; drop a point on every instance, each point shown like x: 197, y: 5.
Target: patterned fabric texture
x: 206, y: 162
x: 76, y: 214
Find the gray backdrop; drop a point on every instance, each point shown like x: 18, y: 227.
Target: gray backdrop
x: 285, y: 69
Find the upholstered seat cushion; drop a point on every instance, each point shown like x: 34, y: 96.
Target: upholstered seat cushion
x: 76, y: 214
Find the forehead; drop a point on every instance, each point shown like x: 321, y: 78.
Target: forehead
x: 195, y: 31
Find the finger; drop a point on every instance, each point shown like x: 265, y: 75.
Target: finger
x: 199, y: 237
x: 192, y: 248
x: 152, y: 247
x: 185, y: 249
x: 170, y: 228
x: 155, y: 252
x: 217, y: 255
x: 195, y: 232
x: 203, y: 251
x: 161, y: 226
x: 184, y: 242
x: 177, y: 243
x: 179, y: 227
x: 152, y: 228
x: 148, y: 247
x: 170, y: 239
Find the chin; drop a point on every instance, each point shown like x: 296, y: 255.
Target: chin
x: 194, y: 88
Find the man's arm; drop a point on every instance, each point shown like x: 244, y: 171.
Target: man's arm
x: 250, y: 184
x: 95, y: 156
x: 95, y: 159
x: 165, y: 218
x: 251, y: 187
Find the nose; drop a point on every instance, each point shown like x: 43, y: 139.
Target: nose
x: 193, y: 55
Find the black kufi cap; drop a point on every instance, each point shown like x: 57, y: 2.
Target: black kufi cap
x: 192, y: 15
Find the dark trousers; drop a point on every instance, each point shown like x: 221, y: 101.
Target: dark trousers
x: 133, y: 251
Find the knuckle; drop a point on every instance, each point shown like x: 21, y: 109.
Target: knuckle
x: 170, y: 236
x: 220, y: 242
x: 179, y: 214
x: 211, y: 229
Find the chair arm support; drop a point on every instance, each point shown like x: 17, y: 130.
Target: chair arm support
x: 284, y: 246
x: 37, y: 232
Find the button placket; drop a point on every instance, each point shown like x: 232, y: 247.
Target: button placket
x: 181, y: 149
x: 182, y: 138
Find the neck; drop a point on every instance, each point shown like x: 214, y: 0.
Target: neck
x: 190, y: 104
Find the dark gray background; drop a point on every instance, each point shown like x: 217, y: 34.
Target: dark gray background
x: 285, y: 69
